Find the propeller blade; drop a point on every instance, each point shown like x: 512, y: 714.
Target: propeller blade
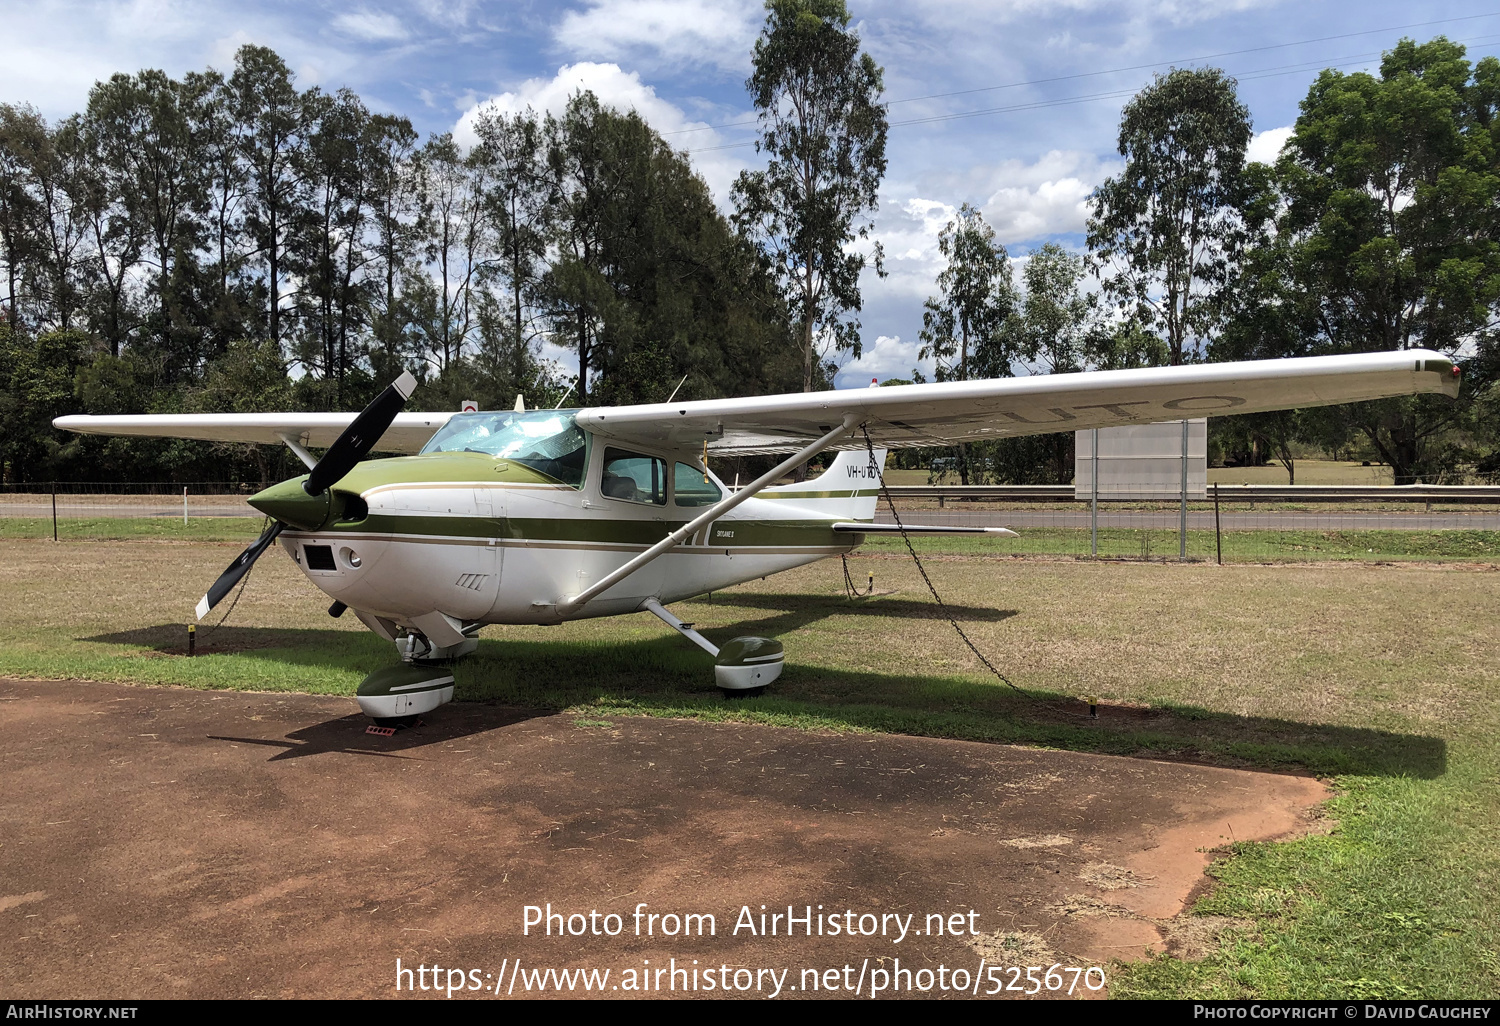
x: 359, y: 437
x: 238, y: 569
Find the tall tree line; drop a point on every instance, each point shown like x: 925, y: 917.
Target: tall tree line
x: 229, y: 241
x: 1376, y: 229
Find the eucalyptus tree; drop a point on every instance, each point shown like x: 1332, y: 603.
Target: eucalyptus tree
x: 583, y: 179
x: 20, y: 128
x: 976, y: 296
x: 270, y: 127
x: 217, y: 127
x: 339, y: 167
x: 1391, y: 227
x: 113, y: 299
x: 1166, y: 232
x: 144, y: 125
x: 451, y: 187
x: 822, y: 124
x: 1055, y: 325
x: 518, y: 199
x: 398, y: 229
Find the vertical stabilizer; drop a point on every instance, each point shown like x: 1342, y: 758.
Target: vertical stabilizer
x: 848, y: 489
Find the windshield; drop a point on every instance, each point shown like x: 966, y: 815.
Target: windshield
x: 547, y: 441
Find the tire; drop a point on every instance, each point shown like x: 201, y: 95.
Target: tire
x: 394, y: 721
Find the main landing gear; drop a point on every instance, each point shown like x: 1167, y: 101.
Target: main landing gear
x: 396, y: 695
x: 743, y: 667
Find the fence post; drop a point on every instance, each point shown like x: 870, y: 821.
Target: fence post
x: 184, y: 505
x: 54, y: 511
x: 1094, y: 501
x: 1218, y: 535
x: 1182, y: 522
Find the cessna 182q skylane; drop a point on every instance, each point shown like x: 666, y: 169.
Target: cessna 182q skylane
x: 541, y: 516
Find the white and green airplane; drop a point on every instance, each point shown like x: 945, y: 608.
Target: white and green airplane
x: 542, y: 516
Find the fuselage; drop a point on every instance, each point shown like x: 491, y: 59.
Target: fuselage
x: 487, y: 539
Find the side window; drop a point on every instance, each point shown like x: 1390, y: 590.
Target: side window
x: 692, y: 487
x: 634, y: 478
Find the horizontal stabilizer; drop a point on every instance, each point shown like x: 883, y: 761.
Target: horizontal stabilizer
x: 855, y: 527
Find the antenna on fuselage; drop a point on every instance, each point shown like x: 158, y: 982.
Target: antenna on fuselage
x: 565, y: 395
x: 520, y: 403
x: 675, y: 390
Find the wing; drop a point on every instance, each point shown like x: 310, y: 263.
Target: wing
x: 898, y: 417
x: 960, y: 411
x: 408, y: 433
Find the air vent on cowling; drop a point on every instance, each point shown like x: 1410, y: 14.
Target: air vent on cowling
x: 319, y: 557
x: 354, y: 509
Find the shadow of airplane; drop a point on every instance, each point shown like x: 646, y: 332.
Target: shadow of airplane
x: 346, y: 735
x: 514, y: 678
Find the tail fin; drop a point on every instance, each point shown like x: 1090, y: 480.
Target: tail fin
x: 848, y: 489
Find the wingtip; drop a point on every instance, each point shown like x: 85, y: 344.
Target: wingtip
x: 202, y: 607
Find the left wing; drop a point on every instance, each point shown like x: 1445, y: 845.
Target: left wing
x: 963, y: 411
x: 407, y: 433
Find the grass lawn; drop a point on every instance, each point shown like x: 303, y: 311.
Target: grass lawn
x: 1383, y: 678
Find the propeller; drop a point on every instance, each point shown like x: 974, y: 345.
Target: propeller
x: 341, y: 457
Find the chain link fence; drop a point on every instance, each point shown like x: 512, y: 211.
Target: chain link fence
x: 1379, y: 528
x: 1387, y: 526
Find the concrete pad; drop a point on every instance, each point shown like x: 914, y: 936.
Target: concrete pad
x: 160, y: 842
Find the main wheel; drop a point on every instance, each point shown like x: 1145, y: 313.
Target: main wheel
x: 394, y: 721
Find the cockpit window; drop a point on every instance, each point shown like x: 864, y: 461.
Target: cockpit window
x: 547, y: 441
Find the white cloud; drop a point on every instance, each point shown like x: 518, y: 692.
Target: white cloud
x: 1266, y: 146
x: 674, y: 32
x: 1023, y: 202
x: 371, y: 26
x: 624, y: 91
x: 889, y: 357
x: 1049, y: 197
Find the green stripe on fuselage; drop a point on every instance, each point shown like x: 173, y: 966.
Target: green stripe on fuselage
x: 794, y: 496
x: 743, y: 533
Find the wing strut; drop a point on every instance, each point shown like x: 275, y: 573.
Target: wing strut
x: 718, y: 509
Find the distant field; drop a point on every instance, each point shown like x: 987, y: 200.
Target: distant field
x: 1386, y: 679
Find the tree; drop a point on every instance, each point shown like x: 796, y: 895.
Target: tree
x: 144, y: 129
x: 513, y: 150
x: 1166, y: 232
x: 976, y: 296
x: 825, y: 130
x: 650, y: 285
x: 451, y: 190
x: 1056, y: 325
x: 21, y: 128
x: 269, y: 111
x: 339, y: 167
x: 1389, y: 234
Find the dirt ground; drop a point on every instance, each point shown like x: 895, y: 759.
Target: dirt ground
x: 159, y: 842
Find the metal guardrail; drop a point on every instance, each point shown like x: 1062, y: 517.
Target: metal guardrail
x: 1226, y: 493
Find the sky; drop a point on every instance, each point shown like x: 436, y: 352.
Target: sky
x: 1009, y: 105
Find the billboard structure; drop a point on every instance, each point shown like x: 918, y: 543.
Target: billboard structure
x: 1142, y: 462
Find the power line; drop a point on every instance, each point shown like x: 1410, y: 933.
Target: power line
x: 1112, y: 71
x: 1353, y: 60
